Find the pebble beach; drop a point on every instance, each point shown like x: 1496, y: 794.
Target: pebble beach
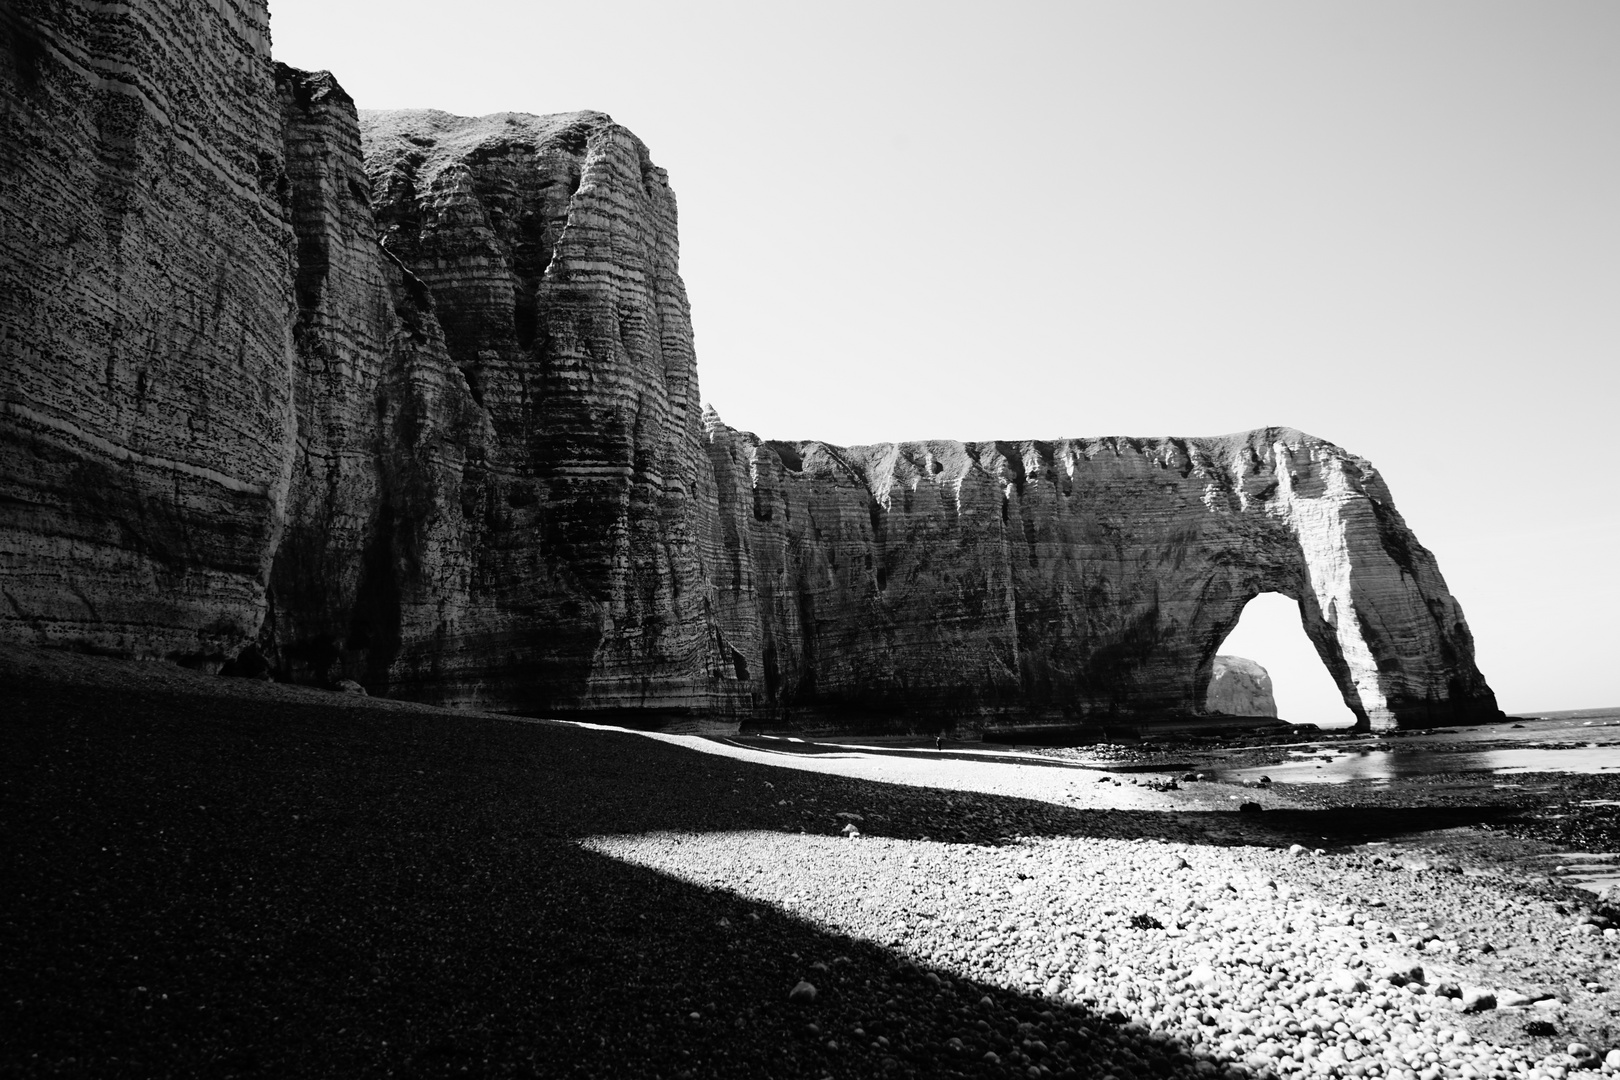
x: 210, y: 877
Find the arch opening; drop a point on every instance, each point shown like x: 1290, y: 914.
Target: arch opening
x: 1270, y: 631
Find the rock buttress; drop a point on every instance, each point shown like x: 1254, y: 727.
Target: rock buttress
x: 146, y: 413
x: 374, y: 576
x: 1081, y: 580
x: 549, y: 247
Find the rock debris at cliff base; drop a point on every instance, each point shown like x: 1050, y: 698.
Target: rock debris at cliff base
x: 411, y: 399
x: 221, y: 878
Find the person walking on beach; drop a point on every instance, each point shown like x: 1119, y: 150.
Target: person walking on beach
x: 939, y: 742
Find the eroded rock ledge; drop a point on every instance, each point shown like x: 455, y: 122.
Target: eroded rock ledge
x: 427, y: 418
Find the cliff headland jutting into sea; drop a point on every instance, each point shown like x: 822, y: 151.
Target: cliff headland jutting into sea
x: 411, y: 398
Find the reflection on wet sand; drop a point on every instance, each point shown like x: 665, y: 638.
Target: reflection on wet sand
x: 1405, y: 762
x: 1586, y: 742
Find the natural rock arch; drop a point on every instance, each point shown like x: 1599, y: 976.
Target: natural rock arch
x: 1350, y: 674
x: 1270, y: 632
x: 468, y: 466
x: 1081, y: 579
x: 1371, y: 599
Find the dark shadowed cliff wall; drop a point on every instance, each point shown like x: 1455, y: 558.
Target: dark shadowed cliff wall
x: 374, y: 577
x: 146, y: 292
x: 422, y: 412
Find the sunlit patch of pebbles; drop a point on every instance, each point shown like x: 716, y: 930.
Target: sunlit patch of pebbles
x: 1223, y: 954
x: 1242, y: 971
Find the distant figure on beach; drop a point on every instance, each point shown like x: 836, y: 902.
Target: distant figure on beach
x: 939, y: 742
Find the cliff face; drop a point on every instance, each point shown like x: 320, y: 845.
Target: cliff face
x: 227, y: 418
x: 146, y: 403
x: 373, y: 575
x: 426, y: 418
x: 1081, y: 579
x: 549, y: 247
x: 1239, y: 687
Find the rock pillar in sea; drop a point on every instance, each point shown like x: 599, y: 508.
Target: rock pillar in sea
x: 1239, y: 687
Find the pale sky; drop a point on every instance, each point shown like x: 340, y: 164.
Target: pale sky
x: 1395, y: 225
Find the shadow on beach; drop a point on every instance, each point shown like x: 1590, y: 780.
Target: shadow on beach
x: 218, y: 884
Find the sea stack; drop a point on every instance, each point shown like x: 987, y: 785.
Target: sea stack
x: 1239, y: 687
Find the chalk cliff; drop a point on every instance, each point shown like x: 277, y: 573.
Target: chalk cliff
x: 1077, y: 580
x: 1239, y: 687
x: 427, y: 418
x: 146, y: 294
x: 549, y: 247
x: 373, y: 573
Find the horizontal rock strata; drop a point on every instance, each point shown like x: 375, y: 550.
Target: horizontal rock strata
x: 549, y: 247
x: 1078, y: 580
x: 426, y: 418
x: 146, y: 292
x: 375, y: 569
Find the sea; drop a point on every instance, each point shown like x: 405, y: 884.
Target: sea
x: 1576, y: 741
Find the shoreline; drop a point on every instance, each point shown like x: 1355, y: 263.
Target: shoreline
x: 324, y: 883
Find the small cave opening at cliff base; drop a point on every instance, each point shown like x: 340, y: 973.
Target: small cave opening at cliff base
x: 1271, y: 633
